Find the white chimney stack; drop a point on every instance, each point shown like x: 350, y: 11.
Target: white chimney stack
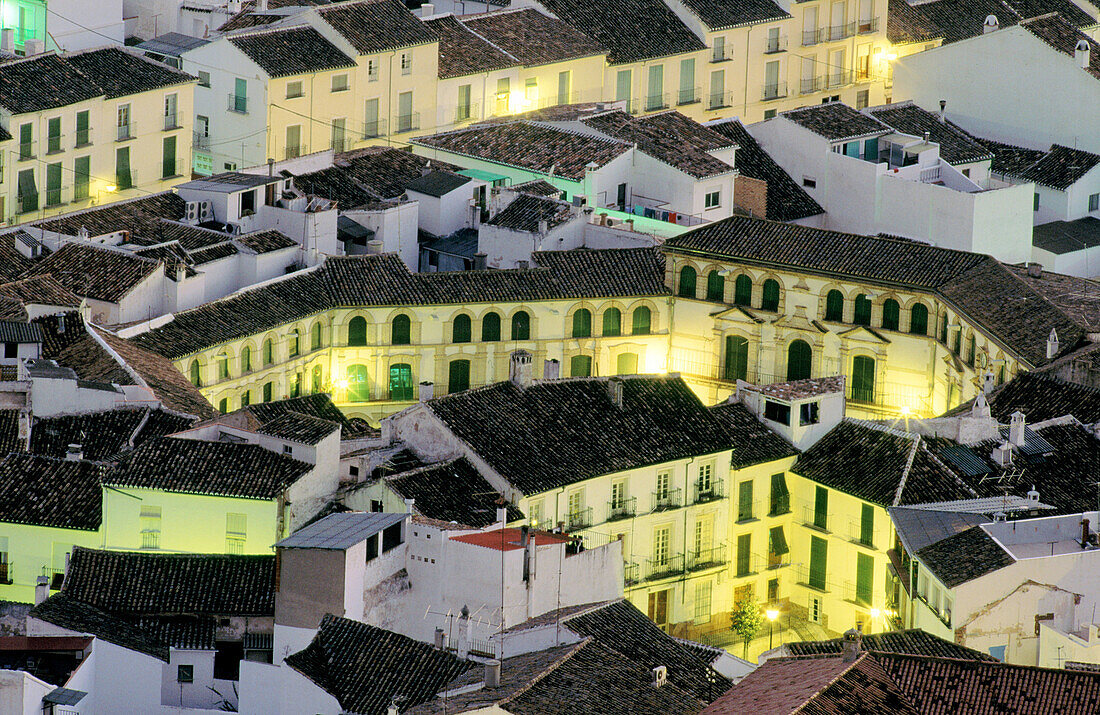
x: 427, y: 9
x: 7, y: 40
x: 1082, y: 53
x: 1002, y: 454
x: 41, y: 590
x: 427, y: 391
x: 261, y: 5
x: 551, y: 369
x: 851, y: 646
x: 374, y: 246
x: 492, y: 674
x: 1052, y: 344
x: 74, y: 453
x: 233, y: 6
x: 519, y: 369
x: 988, y: 381
x: 409, y: 505
x: 943, y: 111
x: 1016, y: 429
x: 991, y: 24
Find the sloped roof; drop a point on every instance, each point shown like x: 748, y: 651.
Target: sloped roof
x: 753, y: 442
x: 533, y: 38
x: 662, y: 137
x: 119, y: 72
x: 1061, y: 30
x: 956, y: 146
x: 964, y: 557
x: 905, y: 24
x: 660, y: 33
x: 527, y: 211
x: 44, y: 491
x: 452, y: 491
x: 913, y: 641
x: 376, y: 26
x: 836, y: 121
x: 105, y: 434
x: 1061, y: 167
x: 722, y: 15
x: 76, y: 615
x: 94, y: 272
x: 1041, y: 397
x: 464, y: 52
x: 290, y: 51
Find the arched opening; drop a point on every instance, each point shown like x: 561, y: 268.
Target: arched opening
x: 268, y: 352
x: 315, y: 337
x: 401, y: 330
x: 627, y: 364
x: 358, y: 386
x: 521, y: 326
x: 918, y: 319
x: 863, y: 379
x: 461, y: 330
x: 687, y: 282
x: 458, y: 376
x: 737, y: 358
x: 317, y: 381
x: 891, y: 314
x: 716, y: 286
x: 246, y: 359
x: 640, y: 320
x: 862, y: 315
x: 357, y: 331
x: 223, y: 366
x: 401, y: 382
x: 196, y: 373
x: 742, y: 290
x: 770, y: 299
x: 834, y: 306
x: 293, y: 341
x: 799, y: 360
x: 490, y: 328
x: 612, y: 322
x: 582, y: 323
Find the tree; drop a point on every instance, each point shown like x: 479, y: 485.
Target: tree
x: 746, y: 619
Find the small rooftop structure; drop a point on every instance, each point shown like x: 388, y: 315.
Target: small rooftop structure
x: 340, y: 531
x: 509, y: 539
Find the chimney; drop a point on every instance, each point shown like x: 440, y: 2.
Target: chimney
x: 615, y: 391
x: 481, y: 261
x: 927, y: 137
x: 41, y: 589
x: 980, y: 409
x: 519, y: 369
x: 551, y: 369
x: 1084, y: 534
x: 943, y: 111
x: 464, y: 632
x: 1033, y: 498
x: 374, y: 246
x: 233, y: 6
x: 1016, y: 429
x: 7, y: 40
x: 387, y: 431
x: 502, y: 512
x: 528, y: 553
x: 33, y: 47
x: 74, y: 453
x: 988, y: 381
x: 1052, y: 344
x: 409, y: 505
x: 492, y: 674
x: 991, y: 24
x: 439, y: 639
x: 427, y: 9
x: 1035, y: 270
x: 544, y: 227
x: 427, y: 391
x: 660, y: 676
x: 1082, y: 53
x: 852, y: 645
x: 261, y: 5
x: 1002, y: 454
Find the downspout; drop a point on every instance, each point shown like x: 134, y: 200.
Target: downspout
x: 745, y: 89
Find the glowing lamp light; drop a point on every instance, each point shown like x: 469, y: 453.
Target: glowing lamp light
x: 772, y: 614
x: 875, y: 613
x: 110, y: 188
x: 891, y: 56
x: 905, y: 411
x: 342, y: 384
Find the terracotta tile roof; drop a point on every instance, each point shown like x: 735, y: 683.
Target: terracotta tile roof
x: 1062, y: 237
x: 142, y: 217
x: 908, y: 642
x: 663, y: 136
x: 290, y: 51
x: 662, y: 34
x: 40, y: 290
x: 978, y: 286
x: 956, y: 146
x: 43, y: 82
x: 964, y: 557
x: 365, y: 667
x: 76, y: 615
x: 202, y: 256
x: 464, y: 52
x: 786, y: 200
x: 193, y: 466
x: 44, y: 491
x: 526, y: 145
x: 1077, y: 297
x: 12, y: 263
x: 66, y: 341
x: 836, y: 121
x: 437, y: 183
x: 383, y: 171
x: 544, y: 437
x: 537, y: 187
x: 296, y: 427
x: 801, y: 389
x: 905, y: 24
x: 266, y: 241
x: 527, y: 211
x: 93, y: 272
x: 1062, y: 166
x: 1061, y: 31
x: 1041, y: 397
x: 1009, y: 159
x: 318, y: 405
x: 136, y: 584
x: 533, y: 38
x: 753, y: 443
x: 103, y: 435
x: 453, y: 491
x: 9, y: 432
x: 246, y: 19
x: 788, y: 685
x: 119, y: 72
x: 722, y: 15
x: 377, y: 26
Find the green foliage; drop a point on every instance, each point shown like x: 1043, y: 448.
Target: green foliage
x: 746, y: 620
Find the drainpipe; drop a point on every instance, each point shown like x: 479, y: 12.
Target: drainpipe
x: 745, y: 91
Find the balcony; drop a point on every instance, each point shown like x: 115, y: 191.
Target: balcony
x: 701, y: 493
x: 665, y: 500
x: 26, y: 150
x: 200, y: 141
x: 579, y: 519
x: 173, y: 169
x: 719, y: 100
x: 53, y: 196
x: 656, y: 102
x: 172, y: 121
x: 857, y: 536
x: 841, y: 32
x: 237, y: 103
x: 707, y: 558
x: 7, y: 574
x: 721, y: 54
x: 26, y: 203
x: 813, y: 37
x: 83, y: 137
x: 777, y: 90
x: 773, y: 45
x: 817, y: 581
x: 809, y: 85
x: 631, y: 573
x: 864, y: 27
x: 124, y: 132
x: 150, y: 539
x: 55, y: 577
x: 664, y: 567
x: 776, y: 561
x: 341, y: 144
x: 747, y: 512
x: 689, y: 95
x: 53, y: 144
x: 466, y: 112
x: 622, y: 509
x: 408, y: 122
x: 372, y: 130
x: 295, y: 151
x: 814, y: 519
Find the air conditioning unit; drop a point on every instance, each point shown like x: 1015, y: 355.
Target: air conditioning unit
x: 233, y: 229
x: 192, y: 214
x: 206, y: 211
x: 660, y: 675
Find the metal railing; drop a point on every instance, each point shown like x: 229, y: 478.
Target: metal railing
x: 7, y: 573
x: 707, y: 558
x: 822, y: 583
x: 83, y: 137
x: 407, y: 122
x: 865, y: 26
x: 54, y: 576
x: 656, y: 102
x: 813, y: 37
x: 293, y: 152
x: 466, y: 112
x: 840, y: 78
x: 718, y: 100
x: 775, y: 44
x: 776, y: 561
x: 778, y: 90
x: 856, y: 535
x: 667, y: 567
x: 200, y: 141
x: 721, y: 54
x: 688, y: 95
x: 341, y: 144
x: 703, y: 493
x: 25, y: 203
x: 26, y: 150
x: 172, y: 121
x: 631, y: 573
x: 53, y: 144
x: 663, y: 501
x: 150, y: 539
x: 750, y: 565
x: 172, y: 169
x: 743, y: 514
x: 841, y: 32
x: 811, y: 517
x: 580, y: 519
x: 809, y: 85
x: 53, y: 196
x: 622, y: 509
x: 237, y: 103
x: 374, y: 129
x: 125, y: 131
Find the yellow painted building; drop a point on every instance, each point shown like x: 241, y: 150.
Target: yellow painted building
x: 89, y: 128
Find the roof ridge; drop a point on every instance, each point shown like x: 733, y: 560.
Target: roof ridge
x: 905, y: 472
x: 489, y: 42
x: 832, y: 681
x: 547, y: 671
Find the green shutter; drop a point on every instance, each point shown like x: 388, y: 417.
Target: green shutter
x: 744, y: 554
x: 744, y: 501
x: 612, y: 322
x: 82, y: 127
x: 770, y: 299
x: 168, y: 163
x: 863, y: 310
x: 401, y: 385
x: 461, y: 330
x: 742, y: 290
x: 821, y: 507
x: 582, y: 323
x: 123, y: 178
x: 641, y: 321
x: 891, y: 314
x: 490, y: 327
x: 780, y: 497
x: 82, y: 175
x: 716, y: 286
x: 863, y: 379
x: 580, y: 366
x: 687, y: 282
x: 865, y: 573
x: 53, y: 184
x: 777, y: 541
x: 834, y: 306
x: 867, y: 525
x: 737, y: 358
x: 819, y: 553
x: 918, y: 319
x: 458, y: 376
x: 799, y: 360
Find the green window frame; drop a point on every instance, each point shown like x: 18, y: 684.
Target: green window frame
x: 53, y: 135
x: 580, y: 366
x: 168, y: 158
x: 780, y: 497
x: 490, y: 328
x: 687, y: 282
x: 744, y: 554
x: 582, y: 323
x: 821, y: 507
x: 863, y: 379
x: 918, y: 319
x: 269, y: 391
x: 865, y: 579
x: 626, y: 364
x: 246, y: 359
x: 401, y: 381
x: 196, y: 373
x: 612, y: 322
x: 82, y: 177
x: 53, y: 184
x: 834, y: 306
x: 862, y: 314
x: 458, y: 376
x: 770, y: 298
x: 315, y: 337
x: 521, y: 325
x: 819, y: 563
x: 716, y: 286
x: 358, y: 383
x: 461, y: 329
x: 357, y: 331
x: 124, y: 178
x: 867, y: 525
x: 800, y: 358
x: 83, y: 128
x: 777, y: 542
x: 268, y: 352
x: 744, y: 500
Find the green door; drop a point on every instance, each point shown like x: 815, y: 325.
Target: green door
x: 819, y: 550
x: 458, y: 376
x: 863, y: 379
x: 737, y: 358
x: 799, y: 360
x: 622, y: 89
x: 865, y: 572
x: 401, y: 382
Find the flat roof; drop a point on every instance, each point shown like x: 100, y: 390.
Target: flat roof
x: 171, y: 44
x: 229, y: 182
x: 509, y: 539
x: 341, y: 531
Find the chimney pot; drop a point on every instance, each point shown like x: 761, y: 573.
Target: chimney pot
x: 551, y: 369
x: 1052, y: 344
x: 409, y: 505
x: 481, y: 261
x: 927, y: 136
x: 74, y: 453
x: 427, y: 391
x: 519, y: 369
x: 7, y: 39
x: 33, y: 47
x: 41, y: 589
x: 1016, y: 426
x: 615, y: 391
x: 988, y: 381
x: 492, y: 674
x: 1082, y: 53
x: 853, y: 644
x: 427, y: 9
x: 991, y: 24
x: 943, y: 111
x: 439, y: 639
x: 374, y: 246
x: 1002, y: 454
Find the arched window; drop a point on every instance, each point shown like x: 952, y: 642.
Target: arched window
x: 358, y: 385
x: 295, y: 385
x: 401, y: 330
x: 737, y: 358
x: 891, y: 314
x: 269, y: 391
x: 357, y: 331
x: 317, y: 379
x: 834, y: 306
x: 612, y: 322
x: 521, y: 326
x: 957, y: 348
x: 971, y: 348
x: 268, y: 352
x: 315, y: 337
x: 742, y: 290
x: 461, y: 330
x: 223, y: 405
x: 770, y: 300
x: 627, y: 364
x: 582, y: 323
x: 799, y: 360
x: 401, y: 382
x: 223, y: 366
x: 490, y: 328
x: 863, y: 379
x: 918, y: 319
x: 716, y: 286
x: 687, y: 282
x: 580, y: 366
x: 458, y: 376
x: 196, y: 373
x: 640, y: 320
x: 293, y: 341
x: 246, y: 359
x: 943, y: 328
x: 863, y: 310
x: 246, y: 398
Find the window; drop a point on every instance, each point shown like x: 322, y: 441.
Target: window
x: 521, y: 326
x: 294, y: 141
x: 918, y: 319
x: 626, y: 364
x: 204, y: 78
x: 770, y: 113
x: 809, y: 182
x: 770, y: 299
x: 744, y: 500
x: 834, y: 306
x: 339, y: 135
x: 123, y: 178
x: 223, y: 366
x: 490, y: 328
x: 82, y: 177
x: 149, y: 523
x: 943, y: 328
x: 53, y: 135
x: 865, y: 572
x: 458, y: 376
x: 268, y: 391
x: 799, y: 360
x: 401, y: 382
x: 712, y: 199
x: 223, y: 405
x: 27, y: 195
x: 123, y: 122
x: 716, y: 286
x: 576, y: 506
x: 564, y: 83
x: 971, y: 349
x: 658, y: 607
x: 808, y: 413
x: 702, y: 600
x: 196, y: 373
x: 863, y: 96
x: 867, y: 525
x: 168, y: 166
x: 315, y: 337
x: 531, y: 89
x: 582, y: 323
x: 53, y: 184
x: 171, y: 111
x: 821, y: 507
x: 819, y: 554
x: 235, y: 533
x: 357, y: 331
x: 372, y: 70
x: 83, y: 136
x: 463, y: 111
x: 863, y: 310
x: 742, y: 290
x: 736, y: 365
x: 777, y: 546
x: 1094, y: 202
x: 863, y: 379
x: 406, y: 62
x: 185, y: 674
x: 687, y: 282
x: 744, y: 554
x: 618, y: 494
x: 891, y: 314
x: 371, y: 126
x: 1036, y: 206
x: 268, y: 352
x: 246, y: 398
x: 777, y: 412
x: 246, y: 359
x: 534, y: 512
x: 612, y: 322
x: 780, y: 501
x: 664, y: 483
x: 339, y: 83
x: 624, y: 88
x: 504, y: 92
x: 640, y: 320
x: 718, y: 52
x: 703, y: 481
x: 662, y: 539
x: 461, y: 330
x: 293, y: 343
x: 580, y: 366
x: 26, y: 141
x: 316, y: 379
x: 655, y: 98
x: 400, y: 330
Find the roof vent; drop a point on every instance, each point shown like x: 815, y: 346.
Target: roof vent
x: 74, y: 453
x: 852, y: 645
x: 1002, y: 454
x: 660, y: 676
x: 615, y: 391
x: 551, y: 369
x: 519, y: 369
x: 927, y: 136
x: 991, y: 24
x: 1082, y: 53
x: 988, y: 382
x: 1052, y: 344
x: 1016, y: 429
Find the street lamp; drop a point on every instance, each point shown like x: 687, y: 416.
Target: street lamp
x: 874, y: 614
x: 772, y: 614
